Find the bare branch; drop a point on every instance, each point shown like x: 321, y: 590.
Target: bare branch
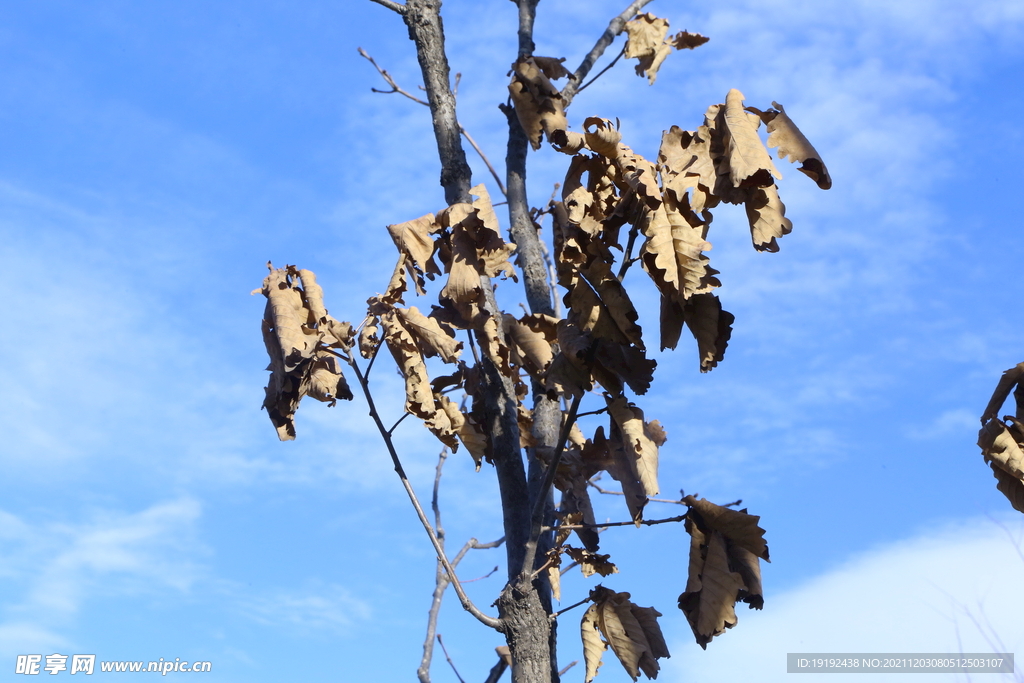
x: 393, y: 6
x: 467, y: 604
x: 566, y: 609
x: 494, y: 174
x: 549, y: 478
x: 481, y: 578
x: 653, y: 500
x: 602, y: 71
x: 615, y: 27
x: 568, y: 666
x: 395, y: 88
x: 497, y: 670
x: 441, y: 642
x: 603, y: 525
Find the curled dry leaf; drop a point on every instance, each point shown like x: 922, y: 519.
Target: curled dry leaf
x: 638, y: 442
x: 1002, y: 441
x: 538, y: 103
x: 297, y: 332
x: 711, y: 608
x: 413, y: 239
x: 737, y: 525
x: 591, y: 563
x: 646, y: 43
x: 748, y: 160
x: 784, y: 134
x: 631, y: 631
x: 608, y: 455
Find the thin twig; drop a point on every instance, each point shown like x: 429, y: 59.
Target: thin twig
x: 494, y: 174
x: 653, y: 500
x: 572, y: 606
x: 542, y: 494
x: 568, y: 666
x: 395, y: 88
x: 615, y: 27
x: 601, y: 72
x: 481, y: 578
x: 627, y: 261
x: 373, y: 359
x: 393, y: 6
x: 395, y: 426
x: 592, y: 412
x: 441, y: 643
x: 602, y: 525
x: 467, y: 604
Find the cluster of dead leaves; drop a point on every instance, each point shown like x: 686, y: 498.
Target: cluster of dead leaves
x: 649, y: 43
x: 299, y: 336
x: 1002, y: 441
x: 726, y: 547
x: 609, y: 186
x: 632, y: 632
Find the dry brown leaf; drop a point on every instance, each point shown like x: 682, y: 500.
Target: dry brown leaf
x: 631, y: 631
x: 533, y: 348
x: 1001, y: 449
x: 748, y: 160
x: 736, y: 525
x: 538, y: 103
x: 296, y: 332
x: 419, y: 400
x: 555, y: 581
x: 638, y: 445
x: 767, y: 217
x: 601, y: 454
x: 748, y: 566
x: 368, y: 340
x: 413, y: 239
x: 672, y: 254
x: 1009, y: 486
x: 1010, y: 379
x: 593, y: 645
x: 431, y: 337
x: 646, y: 42
x: 591, y: 563
x: 711, y: 610
x: 684, y: 40
x: 784, y: 134
x: 711, y: 327
x: 553, y: 67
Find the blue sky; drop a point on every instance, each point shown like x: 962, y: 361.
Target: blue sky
x: 154, y: 156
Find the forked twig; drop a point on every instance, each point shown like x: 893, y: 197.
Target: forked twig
x: 395, y: 88
x: 615, y: 27
x: 467, y: 604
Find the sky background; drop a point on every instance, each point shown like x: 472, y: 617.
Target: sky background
x: 154, y: 156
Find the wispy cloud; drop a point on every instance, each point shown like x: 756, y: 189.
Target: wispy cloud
x: 317, y: 608
x: 58, y: 568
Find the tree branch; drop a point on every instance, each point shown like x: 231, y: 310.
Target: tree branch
x: 467, y: 604
x: 393, y: 6
x: 446, y: 656
x: 602, y: 71
x: 537, y: 519
x: 615, y: 27
x: 603, y: 525
x: 395, y: 88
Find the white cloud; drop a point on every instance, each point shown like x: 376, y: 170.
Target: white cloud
x: 318, y: 608
x: 57, y: 568
x: 949, y: 590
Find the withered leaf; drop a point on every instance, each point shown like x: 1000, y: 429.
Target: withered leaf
x: 593, y: 645
x: 684, y: 40
x: 591, y: 563
x: 784, y: 134
x: 419, y: 400
x: 767, y: 217
x: 672, y: 254
x: 638, y: 442
x: 413, y: 240
x: 711, y: 326
x: 297, y: 333
x: 538, y: 103
x: 711, y: 610
x: 631, y: 631
x: 646, y: 42
x: 748, y: 160
x: 431, y: 338
x: 553, y: 67
x: 737, y: 525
